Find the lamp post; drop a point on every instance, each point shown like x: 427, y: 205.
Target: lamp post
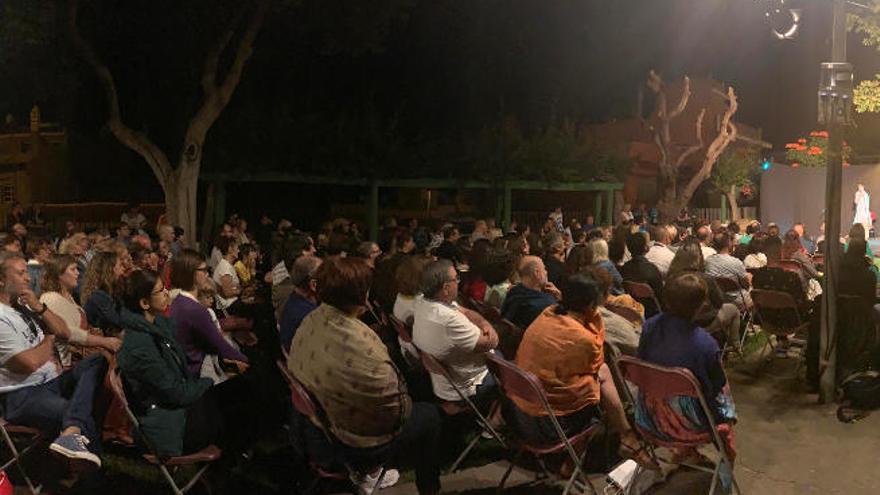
x: 834, y: 106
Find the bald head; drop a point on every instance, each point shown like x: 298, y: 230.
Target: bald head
x: 532, y: 273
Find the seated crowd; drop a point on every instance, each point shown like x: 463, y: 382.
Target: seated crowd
x: 196, y: 338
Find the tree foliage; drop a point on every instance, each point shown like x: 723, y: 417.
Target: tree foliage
x: 736, y: 167
x: 866, y: 95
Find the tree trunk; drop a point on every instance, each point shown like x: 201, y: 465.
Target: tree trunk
x: 181, y: 190
x: 731, y: 202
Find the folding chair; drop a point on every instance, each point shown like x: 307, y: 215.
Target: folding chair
x: 642, y: 292
x: 33, y: 435
x: 516, y: 382
x: 305, y: 405
x: 788, y: 265
x: 819, y: 261
x: 662, y: 383
x: 454, y: 409
x: 403, y: 330
x: 202, y: 459
x: 488, y: 312
x: 509, y: 337
x: 779, y: 314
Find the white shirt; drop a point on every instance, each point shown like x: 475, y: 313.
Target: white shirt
x: 17, y: 336
x: 660, y: 256
x: 444, y: 332
x: 224, y: 267
x: 216, y: 256
x: 707, y: 251
x: 404, y: 309
x: 279, y: 273
x: 136, y: 222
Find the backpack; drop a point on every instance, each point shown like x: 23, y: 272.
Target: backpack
x: 860, y: 391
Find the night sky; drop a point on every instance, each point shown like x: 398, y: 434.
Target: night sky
x: 328, y: 83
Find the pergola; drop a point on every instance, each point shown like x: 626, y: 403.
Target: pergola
x: 218, y: 181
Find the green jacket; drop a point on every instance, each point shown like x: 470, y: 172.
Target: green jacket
x: 157, y: 384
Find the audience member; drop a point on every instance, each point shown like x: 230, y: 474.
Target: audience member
x: 303, y: 299
x: 659, y: 253
x: 756, y: 257
x: 534, y: 292
x: 456, y: 336
x: 600, y: 259
x: 554, y: 257
x: 639, y: 269
x: 35, y: 391
x: 499, y: 275
x: 347, y: 368
x: 619, y: 331
x: 100, y: 291
x: 723, y: 265
x: 563, y: 349
x: 704, y: 235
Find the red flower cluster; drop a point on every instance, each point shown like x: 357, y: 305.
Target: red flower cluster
x: 823, y: 134
x: 814, y: 150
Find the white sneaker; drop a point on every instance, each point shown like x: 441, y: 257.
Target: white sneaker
x: 366, y: 482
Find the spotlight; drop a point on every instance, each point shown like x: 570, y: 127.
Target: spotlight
x: 766, y: 165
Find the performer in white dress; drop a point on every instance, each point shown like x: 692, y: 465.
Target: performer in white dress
x: 862, y: 202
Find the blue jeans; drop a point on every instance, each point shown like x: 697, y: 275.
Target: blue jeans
x: 60, y: 403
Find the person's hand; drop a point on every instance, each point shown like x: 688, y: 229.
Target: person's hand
x: 112, y: 344
x: 30, y: 299
x: 554, y: 291
x: 240, y: 366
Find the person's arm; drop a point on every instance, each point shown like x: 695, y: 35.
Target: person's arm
x: 171, y: 389
x: 29, y: 361
x: 227, y: 287
x: 202, y: 324
x: 106, y: 310
x: 807, y: 265
x: 488, y: 338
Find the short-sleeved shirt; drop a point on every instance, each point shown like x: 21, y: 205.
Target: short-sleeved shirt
x: 17, y: 334
x: 727, y: 266
x: 444, y: 332
x: 295, y: 310
x: 224, y: 267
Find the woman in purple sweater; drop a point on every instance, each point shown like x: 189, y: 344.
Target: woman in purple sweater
x: 194, y: 329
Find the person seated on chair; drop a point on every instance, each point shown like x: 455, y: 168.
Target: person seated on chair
x: 175, y: 409
x: 619, y: 331
x: 534, y: 292
x: 674, y: 339
x: 856, y: 277
x: 563, y: 349
x: 599, y: 247
x: 35, y: 392
x: 302, y: 300
x: 719, y: 318
x: 458, y: 337
x: 724, y: 265
x: 639, y: 269
x: 793, y: 250
x: 347, y: 369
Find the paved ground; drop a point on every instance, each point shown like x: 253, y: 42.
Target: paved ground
x: 786, y: 442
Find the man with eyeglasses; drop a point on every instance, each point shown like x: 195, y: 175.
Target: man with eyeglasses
x: 33, y: 390
x: 456, y: 336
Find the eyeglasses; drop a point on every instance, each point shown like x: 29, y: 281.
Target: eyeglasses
x: 162, y: 291
x: 202, y: 269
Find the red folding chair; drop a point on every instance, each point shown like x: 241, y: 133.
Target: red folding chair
x: 516, y: 382
x: 487, y: 311
x: 641, y: 291
x: 787, y: 264
x: 305, y: 405
x: 433, y: 365
x: 32, y: 436
x: 201, y: 459
x: 779, y: 314
x: 509, y: 337
x: 403, y: 330
x: 662, y: 384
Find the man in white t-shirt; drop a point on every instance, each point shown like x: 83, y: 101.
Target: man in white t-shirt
x: 704, y: 235
x: 659, y: 253
x: 456, y: 336
x: 228, y: 283
x: 33, y: 391
x: 216, y: 254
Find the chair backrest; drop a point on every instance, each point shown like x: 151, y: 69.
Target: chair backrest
x: 660, y: 381
x: 626, y: 312
x: 773, y: 299
x: 300, y: 397
x: 114, y: 376
x: 403, y: 330
x: 487, y: 311
x: 727, y: 284
x: 639, y: 290
x: 780, y: 279
x: 517, y: 382
x: 788, y: 265
x: 819, y: 260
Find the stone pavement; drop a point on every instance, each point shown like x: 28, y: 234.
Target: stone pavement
x: 786, y: 443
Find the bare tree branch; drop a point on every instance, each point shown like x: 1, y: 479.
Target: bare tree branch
x: 726, y: 135
x: 134, y: 140
x: 695, y: 148
x: 683, y: 99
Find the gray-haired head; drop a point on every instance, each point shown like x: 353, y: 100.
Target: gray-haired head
x: 434, y: 276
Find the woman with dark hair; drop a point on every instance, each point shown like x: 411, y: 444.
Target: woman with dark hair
x: 857, y: 277
x: 472, y: 283
x: 228, y: 283
x: 720, y: 318
x: 176, y: 413
x: 773, y: 249
x: 756, y: 257
x: 563, y: 349
x: 194, y: 328
x: 100, y: 290
x: 499, y: 275
x: 617, y: 251
x: 347, y: 368
x: 246, y: 266
x: 59, y: 280
x: 674, y: 338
